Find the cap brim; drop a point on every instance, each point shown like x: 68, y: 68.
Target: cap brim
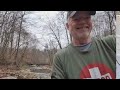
x: 92, y: 12
x: 74, y: 12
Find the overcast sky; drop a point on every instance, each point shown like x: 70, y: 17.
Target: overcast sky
x: 34, y: 19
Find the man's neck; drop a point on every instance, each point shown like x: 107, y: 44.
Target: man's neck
x: 81, y: 42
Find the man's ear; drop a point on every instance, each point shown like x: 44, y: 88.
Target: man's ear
x: 67, y: 26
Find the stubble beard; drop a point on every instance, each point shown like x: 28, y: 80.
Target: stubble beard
x: 85, y: 34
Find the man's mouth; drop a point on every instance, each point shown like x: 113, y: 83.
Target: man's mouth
x: 83, y: 27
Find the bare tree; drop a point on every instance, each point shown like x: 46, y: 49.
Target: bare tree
x: 111, y: 21
x: 53, y: 29
x: 104, y: 23
x: 61, y: 16
x: 14, y: 38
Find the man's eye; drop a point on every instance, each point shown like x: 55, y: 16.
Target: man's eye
x: 76, y: 19
x: 87, y: 17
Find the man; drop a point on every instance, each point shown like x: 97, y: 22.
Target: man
x: 85, y: 57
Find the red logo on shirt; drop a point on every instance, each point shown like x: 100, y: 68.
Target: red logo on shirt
x: 97, y: 71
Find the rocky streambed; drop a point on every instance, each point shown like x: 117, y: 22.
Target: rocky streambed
x: 33, y: 72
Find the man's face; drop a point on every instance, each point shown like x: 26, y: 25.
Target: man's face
x: 80, y: 25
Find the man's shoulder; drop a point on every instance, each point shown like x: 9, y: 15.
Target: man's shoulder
x: 109, y: 37
x: 63, y: 51
x: 108, y: 41
x: 106, y: 38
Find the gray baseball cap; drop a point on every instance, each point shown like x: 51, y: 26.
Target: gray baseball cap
x: 72, y: 13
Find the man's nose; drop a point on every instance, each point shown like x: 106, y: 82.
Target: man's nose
x: 82, y: 21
